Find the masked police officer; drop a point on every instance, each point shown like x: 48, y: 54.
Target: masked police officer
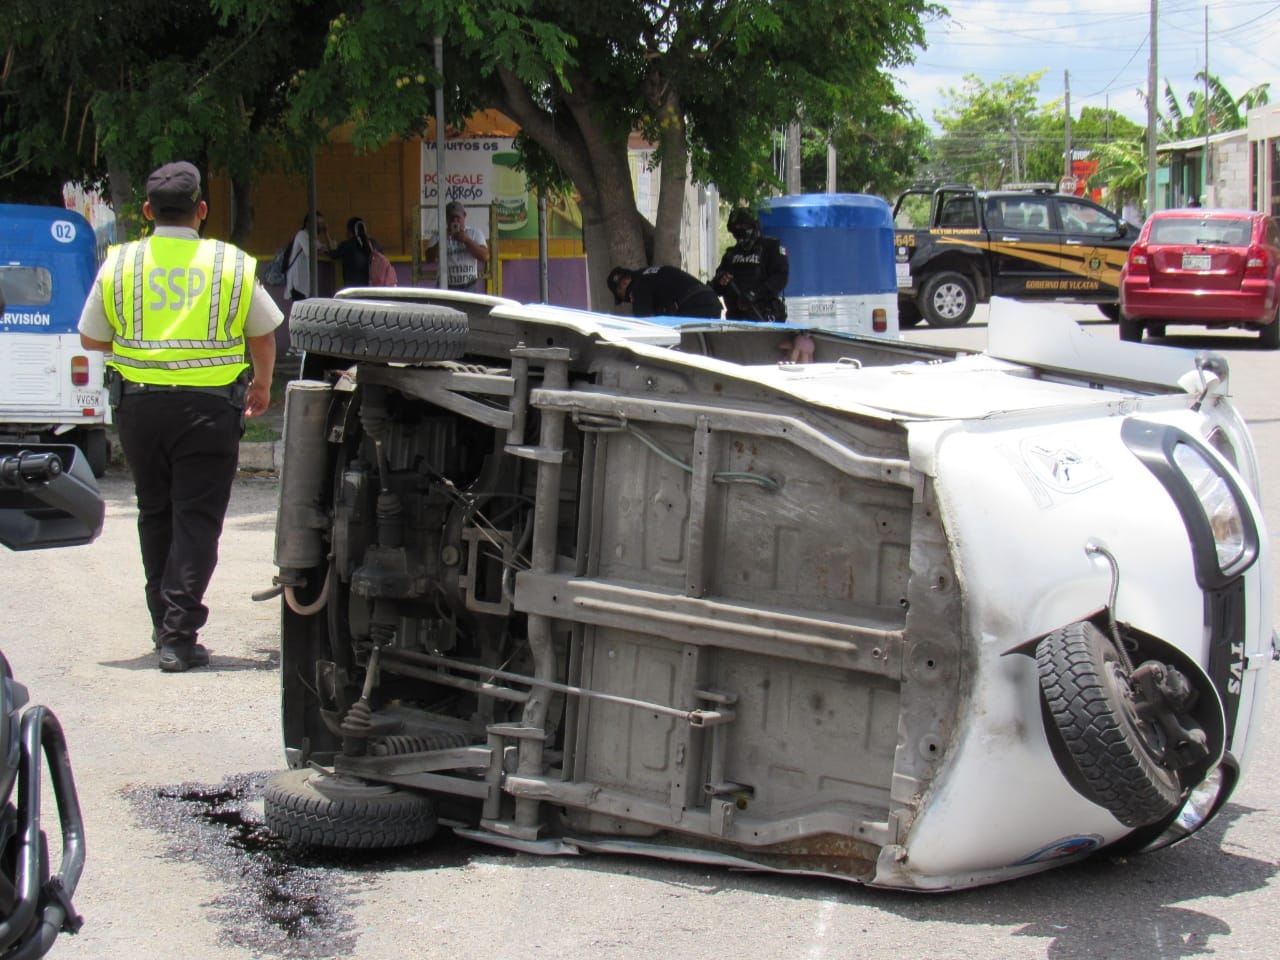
x: 176, y: 312
x: 753, y: 272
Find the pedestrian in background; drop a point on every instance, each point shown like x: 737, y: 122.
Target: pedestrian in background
x: 663, y: 292
x: 753, y: 272
x: 297, y: 285
x: 175, y: 312
x: 468, y: 252
x: 355, y: 252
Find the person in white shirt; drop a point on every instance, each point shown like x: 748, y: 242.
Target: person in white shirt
x: 468, y: 252
x: 297, y: 278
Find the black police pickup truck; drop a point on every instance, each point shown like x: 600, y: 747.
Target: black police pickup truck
x: 957, y: 246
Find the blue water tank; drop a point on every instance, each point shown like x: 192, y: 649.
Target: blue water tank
x: 838, y: 243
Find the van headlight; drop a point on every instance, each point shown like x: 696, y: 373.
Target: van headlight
x: 1217, y: 502
x: 1208, y: 494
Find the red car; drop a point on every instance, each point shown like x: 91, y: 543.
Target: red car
x: 1214, y: 268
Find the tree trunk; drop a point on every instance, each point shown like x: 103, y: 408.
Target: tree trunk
x: 673, y: 178
x: 129, y: 220
x: 241, y: 209
x: 614, y: 233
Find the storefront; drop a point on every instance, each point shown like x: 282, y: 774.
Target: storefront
x: 1264, y: 158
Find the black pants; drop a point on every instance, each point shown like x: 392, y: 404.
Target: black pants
x: 182, y: 448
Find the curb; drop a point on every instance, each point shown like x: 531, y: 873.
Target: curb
x: 262, y: 456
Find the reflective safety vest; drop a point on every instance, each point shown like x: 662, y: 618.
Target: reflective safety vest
x: 178, y: 308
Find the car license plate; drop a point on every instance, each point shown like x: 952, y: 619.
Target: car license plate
x: 822, y: 308
x: 1195, y: 261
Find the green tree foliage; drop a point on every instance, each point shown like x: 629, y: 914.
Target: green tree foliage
x: 998, y: 133
x: 707, y: 81
x: 118, y: 86
x: 878, y: 151
x: 1209, y: 108
x: 988, y: 130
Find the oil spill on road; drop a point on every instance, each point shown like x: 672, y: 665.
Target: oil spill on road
x: 281, y: 901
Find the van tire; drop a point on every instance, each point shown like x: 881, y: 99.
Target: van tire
x: 1113, y: 756
x: 393, y: 331
x: 96, y: 447
x: 310, y: 808
x: 948, y: 299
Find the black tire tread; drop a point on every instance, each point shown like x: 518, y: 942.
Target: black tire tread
x: 1115, y: 770
x: 294, y: 810
x: 1130, y: 330
x: 1269, y: 335
x: 392, y: 331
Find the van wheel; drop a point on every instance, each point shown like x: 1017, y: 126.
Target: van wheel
x: 948, y: 300
x: 96, y: 448
x: 395, y: 331
x: 1114, y: 753
x: 1130, y: 330
x: 317, y: 809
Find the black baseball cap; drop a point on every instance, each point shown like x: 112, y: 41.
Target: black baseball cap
x: 174, y: 188
x: 615, y: 278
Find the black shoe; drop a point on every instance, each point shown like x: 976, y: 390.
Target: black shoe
x: 181, y: 658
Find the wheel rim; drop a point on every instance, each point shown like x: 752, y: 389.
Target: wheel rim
x: 1149, y: 735
x: 949, y: 301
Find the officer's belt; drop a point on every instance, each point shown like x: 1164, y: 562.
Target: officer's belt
x: 129, y: 388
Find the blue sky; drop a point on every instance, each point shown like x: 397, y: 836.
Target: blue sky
x: 1102, y: 44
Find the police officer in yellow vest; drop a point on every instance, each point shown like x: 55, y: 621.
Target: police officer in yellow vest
x: 176, y: 313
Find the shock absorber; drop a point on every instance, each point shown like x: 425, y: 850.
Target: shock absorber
x: 377, y: 425
x: 357, y: 723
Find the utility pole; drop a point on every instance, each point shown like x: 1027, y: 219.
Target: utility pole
x: 1017, y: 161
x: 1209, y: 200
x: 1151, y: 115
x: 1066, y: 157
x: 442, y: 200
x: 792, y: 178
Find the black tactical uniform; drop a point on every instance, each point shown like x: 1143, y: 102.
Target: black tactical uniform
x: 664, y: 292
x: 752, y: 273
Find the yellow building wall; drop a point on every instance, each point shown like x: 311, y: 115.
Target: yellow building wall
x: 380, y: 186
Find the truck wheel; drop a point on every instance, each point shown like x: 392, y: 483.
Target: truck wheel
x: 908, y: 315
x: 378, y: 330
x: 1091, y: 711
x: 1130, y: 330
x: 317, y: 809
x: 1110, y: 310
x: 948, y: 300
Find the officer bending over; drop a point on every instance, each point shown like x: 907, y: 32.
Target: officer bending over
x: 175, y: 313
x: 663, y: 292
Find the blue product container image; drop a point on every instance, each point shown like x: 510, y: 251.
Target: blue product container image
x: 842, y: 261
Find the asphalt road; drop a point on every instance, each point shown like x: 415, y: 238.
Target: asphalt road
x: 169, y: 768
